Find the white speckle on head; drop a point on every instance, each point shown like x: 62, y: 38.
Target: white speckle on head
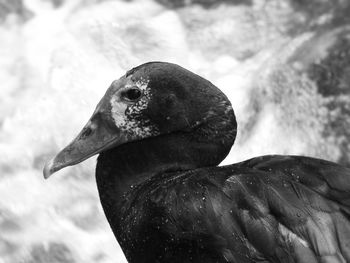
x: 129, y: 117
x: 118, y: 109
x: 142, y: 84
x: 143, y: 102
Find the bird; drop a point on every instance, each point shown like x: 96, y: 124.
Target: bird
x: 161, y: 132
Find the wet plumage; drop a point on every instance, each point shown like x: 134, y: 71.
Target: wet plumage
x: 161, y: 131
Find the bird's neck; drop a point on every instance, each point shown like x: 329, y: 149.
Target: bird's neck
x: 133, y: 163
x: 121, y: 169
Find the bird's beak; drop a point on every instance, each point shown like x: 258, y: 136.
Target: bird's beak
x: 98, y: 135
x: 95, y: 137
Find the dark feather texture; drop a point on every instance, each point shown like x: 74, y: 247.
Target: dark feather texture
x: 267, y: 209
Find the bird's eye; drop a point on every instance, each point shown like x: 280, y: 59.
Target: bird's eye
x: 132, y: 94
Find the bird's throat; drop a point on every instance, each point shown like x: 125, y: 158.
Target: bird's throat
x: 121, y: 169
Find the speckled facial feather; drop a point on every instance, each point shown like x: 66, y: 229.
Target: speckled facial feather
x: 129, y: 117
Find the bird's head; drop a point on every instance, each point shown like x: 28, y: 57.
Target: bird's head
x: 153, y: 99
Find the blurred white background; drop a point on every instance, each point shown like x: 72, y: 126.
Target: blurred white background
x: 284, y: 64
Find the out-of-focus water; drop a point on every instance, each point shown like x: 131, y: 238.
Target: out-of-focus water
x: 285, y: 65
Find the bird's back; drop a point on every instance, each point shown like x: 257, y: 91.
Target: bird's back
x: 305, y: 201
x: 267, y: 209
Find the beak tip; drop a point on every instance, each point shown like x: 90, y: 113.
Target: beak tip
x: 48, y: 171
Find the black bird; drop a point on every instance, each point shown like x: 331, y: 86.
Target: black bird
x: 161, y: 131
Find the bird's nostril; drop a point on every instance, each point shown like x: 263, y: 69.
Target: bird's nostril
x: 86, y: 132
